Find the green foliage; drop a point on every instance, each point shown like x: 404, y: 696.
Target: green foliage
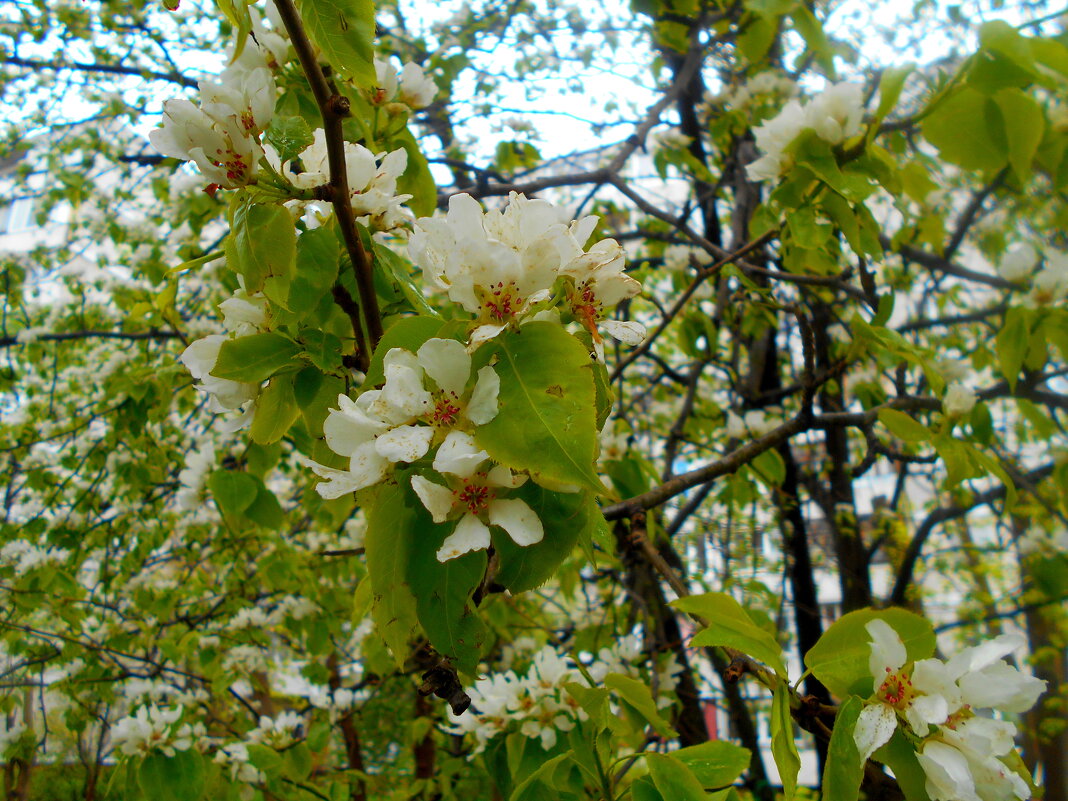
x: 729, y: 625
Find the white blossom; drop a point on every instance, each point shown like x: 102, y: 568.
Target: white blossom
x: 958, y: 400
x: 1018, y: 262
x: 150, y: 729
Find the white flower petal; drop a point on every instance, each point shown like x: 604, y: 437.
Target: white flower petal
x: 887, y: 650
x: 403, y: 390
x: 404, y: 443
x: 349, y: 426
x: 875, y: 726
x: 337, y: 483
x: 518, y: 519
x: 447, y: 362
x: 501, y: 476
x: 459, y: 455
x: 471, y: 534
x: 628, y: 332
x: 437, y: 499
x: 367, y: 465
x: 483, y: 404
x: 484, y: 333
x: 948, y: 775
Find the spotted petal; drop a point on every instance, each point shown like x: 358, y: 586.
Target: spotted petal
x: 437, y: 499
x: 404, y: 443
x: 483, y: 404
x: 447, y: 362
x: 471, y: 534
x: 459, y: 455
x: 875, y: 726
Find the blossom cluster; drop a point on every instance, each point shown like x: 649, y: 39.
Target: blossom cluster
x: 151, y: 729
x: 538, y: 704
x: 834, y: 115
x: 1048, y: 285
x: 939, y: 702
x: 222, y: 134
x: 411, y: 86
x: 503, y: 266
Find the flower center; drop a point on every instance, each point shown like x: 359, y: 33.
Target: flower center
x: 446, y: 410
x: 474, y: 494
x: 502, y: 302
x: 897, y: 690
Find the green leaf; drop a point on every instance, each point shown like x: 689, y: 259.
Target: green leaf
x: 594, y: 702
x: 1024, y: 125
x: 672, y: 778
x: 265, y: 509
x: 317, y: 266
x: 179, y: 777
x: 643, y: 789
x: 323, y: 349
x: 1011, y: 345
x: 344, y: 30
x: 527, y: 791
x: 891, y: 82
x: 843, y: 771
x: 262, y: 247
x: 904, y: 427
x: 392, y: 535
x: 716, y: 763
x: 443, y: 592
x: 811, y: 30
x: 563, y: 516
x: 400, y: 270
x: 783, y: 747
x: 840, y: 658
x: 769, y: 467
x: 289, y: 136
x: 276, y: 410
x: 545, y: 423
x: 417, y: 179
x: 254, y: 358
x: 729, y: 625
x: 637, y: 696
x: 266, y: 759
x: 971, y: 111
x: 233, y: 492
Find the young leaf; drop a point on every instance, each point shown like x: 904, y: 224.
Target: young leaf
x: 254, y: 358
x: 673, y: 779
x: 843, y: 771
x: 783, y: 747
x: 730, y: 626
x: 179, y: 777
x: 276, y: 410
x: 716, y: 763
x: 263, y: 244
x: 904, y: 427
x: 344, y: 30
x: 637, y: 696
x: 234, y: 492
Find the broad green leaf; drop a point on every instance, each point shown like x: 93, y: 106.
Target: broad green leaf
x: 974, y: 112
x: 840, y: 658
x: 757, y: 36
x: 276, y: 410
x: 783, y: 747
x: 234, y: 492
x: 527, y: 789
x: 1024, y: 124
x: 417, y: 179
x: 904, y: 427
x: 545, y: 423
x: 263, y: 245
x: 344, y: 30
x: 179, y: 777
x: 317, y: 265
x: 637, y: 696
x: 443, y: 591
x: 843, y: 771
x: 594, y: 702
x: 401, y: 271
x: 265, y: 758
x: 672, y: 778
x: 563, y: 516
x: 729, y: 625
x: 265, y: 509
x: 323, y: 350
x: 393, y: 534
x: 716, y: 763
x: 289, y: 136
x: 1012, y: 341
x: 769, y: 467
x: 811, y: 30
x: 605, y: 396
x: 643, y: 789
x: 254, y: 358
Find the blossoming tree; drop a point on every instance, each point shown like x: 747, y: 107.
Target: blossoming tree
x: 346, y: 456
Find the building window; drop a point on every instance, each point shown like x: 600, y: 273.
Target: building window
x: 17, y: 215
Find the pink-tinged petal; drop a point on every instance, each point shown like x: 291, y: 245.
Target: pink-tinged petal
x: 518, y: 519
x: 367, y: 465
x: 404, y: 443
x: 887, y: 649
x: 483, y: 404
x: 447, y: 363
x: 437, y: 499
x: 628, y: 332
x: 875, y: 726
x: 459, y: 455
x: 471, y: 534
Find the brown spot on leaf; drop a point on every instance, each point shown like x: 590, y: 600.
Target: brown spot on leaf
x: 555, y: 390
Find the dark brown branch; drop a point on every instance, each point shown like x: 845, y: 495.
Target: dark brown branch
x: 334, y: 108
x: 112, y: 69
